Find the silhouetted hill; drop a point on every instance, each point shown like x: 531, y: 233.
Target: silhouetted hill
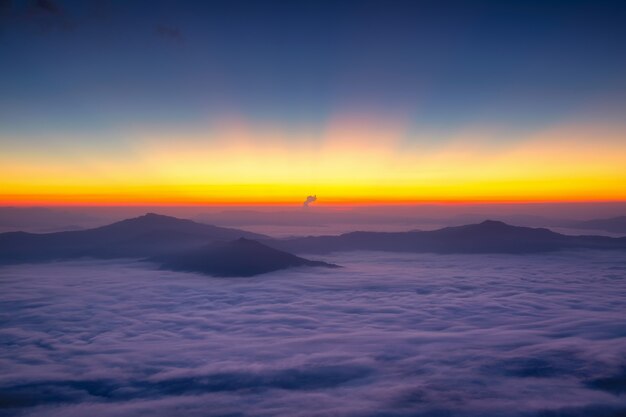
x: 142, y: 236
x: 239, y: 258
x: 614, y: 224
x: 486, y: 237
x: 152, y: 235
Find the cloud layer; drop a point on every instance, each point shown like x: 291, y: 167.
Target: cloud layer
x: 388, y: 335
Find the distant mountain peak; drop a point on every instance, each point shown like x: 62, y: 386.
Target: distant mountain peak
x: 151, y: 220
x: 486, y: 226
x: 489, y: 236
x: 502, y: 229
x: 494, y: 223
x: 153, y: 215
x: 156, y: 216
x: 146, y: 235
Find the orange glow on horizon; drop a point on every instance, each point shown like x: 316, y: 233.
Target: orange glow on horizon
x: 352, y: 162
x: 112, y: 201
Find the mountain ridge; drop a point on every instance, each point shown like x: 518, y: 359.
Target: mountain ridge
x: 489, y: 236
x: 612, y: 224
x: 239, y: 258
x: 141, y: 236
x: 153, y: 235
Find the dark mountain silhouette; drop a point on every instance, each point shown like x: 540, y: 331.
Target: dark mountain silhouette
x: 238, y: 258
x: 148, y: 235
x: 152, y: 235
x: 486, y: 237
x: 614, y: 224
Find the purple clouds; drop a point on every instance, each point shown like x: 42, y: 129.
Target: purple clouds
x: 388, y: 335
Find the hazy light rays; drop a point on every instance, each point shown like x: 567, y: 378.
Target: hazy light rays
x: 351, y: 159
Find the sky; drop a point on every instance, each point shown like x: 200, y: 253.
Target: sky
x: 268, y: 102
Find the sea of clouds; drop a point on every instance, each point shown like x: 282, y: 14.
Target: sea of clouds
x: 387, y: 335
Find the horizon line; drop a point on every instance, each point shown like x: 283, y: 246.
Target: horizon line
x: 298, y: 204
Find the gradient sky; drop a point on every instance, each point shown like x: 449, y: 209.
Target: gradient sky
x: 168, y: 102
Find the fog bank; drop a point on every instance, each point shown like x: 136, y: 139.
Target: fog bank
x: 388, y: 335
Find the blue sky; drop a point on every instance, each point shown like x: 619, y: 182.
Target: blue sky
x: 74, y: 66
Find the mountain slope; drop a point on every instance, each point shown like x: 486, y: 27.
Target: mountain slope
x: 152, y: 235
x: 239, y: 258
x: 614, y: 224
x: 486, y: 237
x: 142, y: 236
